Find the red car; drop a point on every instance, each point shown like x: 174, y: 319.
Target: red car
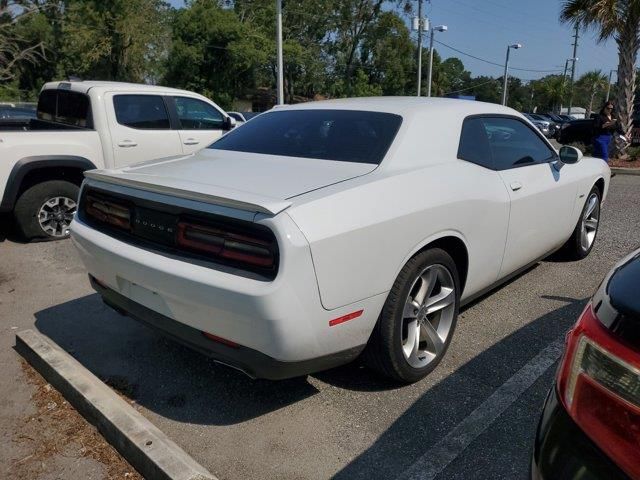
x: 590, y: 427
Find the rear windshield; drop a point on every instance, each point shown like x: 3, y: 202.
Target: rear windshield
x: 342, y: 135
x: 62, y: 106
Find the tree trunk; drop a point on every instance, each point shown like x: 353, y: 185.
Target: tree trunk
x: 590, y: 107
x: 628, y: 44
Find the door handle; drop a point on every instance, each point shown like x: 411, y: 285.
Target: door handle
x: 191, y: 141
x: 515, y: 186
x: 127, y: 143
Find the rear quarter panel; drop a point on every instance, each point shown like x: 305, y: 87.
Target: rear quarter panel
x: 362, y: 235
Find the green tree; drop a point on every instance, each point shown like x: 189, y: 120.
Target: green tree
x: 15, y: 47
x: 213, y: 53
x: 387, y: 53
x: 116, y: 40
x: 620, y: 20
x: 589, y: 85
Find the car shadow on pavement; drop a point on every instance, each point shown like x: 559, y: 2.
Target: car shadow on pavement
x: 503, y: 450
x: 159, y: 374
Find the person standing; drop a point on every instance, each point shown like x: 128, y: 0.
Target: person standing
x: 605, y: 126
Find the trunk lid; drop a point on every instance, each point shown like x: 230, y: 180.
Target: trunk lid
x: 249, y: 181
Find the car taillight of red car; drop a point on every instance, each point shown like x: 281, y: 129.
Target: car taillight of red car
x: 599, y: 385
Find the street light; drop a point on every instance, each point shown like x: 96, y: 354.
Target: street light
x: 515, y: 46
x: 439, y: 28
x: 609, y: 84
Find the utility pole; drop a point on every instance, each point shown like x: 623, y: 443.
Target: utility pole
x: 279, y: 43
x: 564, y: 77
x: 419, y: 45
x: 573, y: 66
x: 609, y: 84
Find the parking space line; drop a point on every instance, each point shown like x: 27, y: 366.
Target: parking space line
x: 436, y: 459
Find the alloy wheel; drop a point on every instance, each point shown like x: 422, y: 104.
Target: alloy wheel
x: 428, y: 316
x: 590, y: 220
x: 55, y: 216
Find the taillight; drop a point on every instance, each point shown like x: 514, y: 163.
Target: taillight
x: 108, y: 212
x: 218, y: 242
x: 599, y: 385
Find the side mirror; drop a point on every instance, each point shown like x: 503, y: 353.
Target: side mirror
x: 229, y: 123
x: 570, y: 155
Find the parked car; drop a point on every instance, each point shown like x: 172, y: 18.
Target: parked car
x: 541, y: 124
x: 590, y: 427
x: 320, y: 231
x: 577, y: 131
x: 86, y: 125
x: 8, y: 112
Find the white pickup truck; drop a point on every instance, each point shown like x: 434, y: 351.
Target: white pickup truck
x: 82, y: 125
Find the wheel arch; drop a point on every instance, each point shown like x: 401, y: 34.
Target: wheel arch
x: 30, y: 171
x: 451, y: 242
x: 600, y: 185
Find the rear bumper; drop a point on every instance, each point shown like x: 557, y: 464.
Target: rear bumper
x: 563, y: 451
x: 255, y: 364
x: 283, y: 318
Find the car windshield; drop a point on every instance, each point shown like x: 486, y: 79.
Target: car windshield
x: 340, y: 135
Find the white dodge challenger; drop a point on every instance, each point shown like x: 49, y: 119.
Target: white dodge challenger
x: 322, y: 231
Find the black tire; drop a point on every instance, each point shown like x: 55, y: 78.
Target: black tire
x: 384, y: 349
x: 31, y: 201
x: 574, y: 248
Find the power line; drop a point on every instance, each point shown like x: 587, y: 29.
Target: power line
x: 493, y: 80
x: 494, y: 63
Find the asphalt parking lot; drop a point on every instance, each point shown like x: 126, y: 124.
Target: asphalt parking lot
x: 461, y: 422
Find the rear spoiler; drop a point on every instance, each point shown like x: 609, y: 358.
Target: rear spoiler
x: 212, y: 194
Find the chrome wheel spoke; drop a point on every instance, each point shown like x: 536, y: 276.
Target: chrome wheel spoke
x: 411, y: 309
x: 439, y: 301
x: 428, y: 280
x: 591, y: 206
x: 410, y: 345
x: 434, y: 341
x: 591, y: 224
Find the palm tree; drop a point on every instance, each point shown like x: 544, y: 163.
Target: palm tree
x: 554, y: 88
x: 592, y: 82
x: 620, y: 20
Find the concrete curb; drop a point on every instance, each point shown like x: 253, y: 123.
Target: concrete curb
x: 625, y: 171
x: 144, y: 446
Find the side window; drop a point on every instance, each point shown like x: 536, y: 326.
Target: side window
x: 513, y: 144
x: 145, y: 112
x: 474, y: 143
x: 197, y: 115
x: 62, y: 106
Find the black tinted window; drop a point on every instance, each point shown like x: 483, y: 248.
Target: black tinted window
x: 513, y: 144
x: 474, y: 143
x: 342, y: 135
x: 197, y: 115
x: 141, y: 111
x: 63, y: 106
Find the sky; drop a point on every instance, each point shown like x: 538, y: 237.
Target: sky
x: 484, y: 28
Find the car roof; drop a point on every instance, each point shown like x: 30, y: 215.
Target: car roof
x: 405, y: 105
x: 83, y: 86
